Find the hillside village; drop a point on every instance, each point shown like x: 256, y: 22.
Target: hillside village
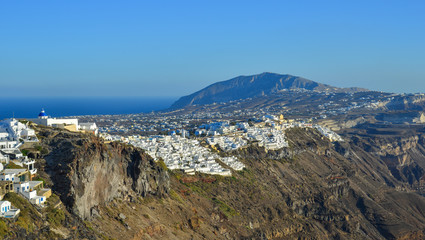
x: 17, y: 171
x: 190, y: 150
x: 181, y: 150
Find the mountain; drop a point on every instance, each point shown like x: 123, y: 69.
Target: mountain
x: 252, y: 86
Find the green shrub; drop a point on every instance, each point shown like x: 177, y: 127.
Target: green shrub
x: 175, y: 196
x: 4, y: 229
x: 24, y: 152
x: 12, y: 165
x: 225, y: 209
x: 28, y: 215
x: 162, y: 164
x: 44, y: 151
x: 55, y: 216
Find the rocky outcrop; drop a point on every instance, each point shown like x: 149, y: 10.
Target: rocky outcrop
x: 404, y: 102
x: 87, y: 172
x: 402, y: 155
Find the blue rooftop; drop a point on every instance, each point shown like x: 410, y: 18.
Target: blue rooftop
x: 42, y: 113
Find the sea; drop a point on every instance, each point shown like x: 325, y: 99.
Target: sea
x: 30, y: 107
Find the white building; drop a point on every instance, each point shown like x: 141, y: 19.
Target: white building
x: 67, y: 123
x: 7, y: 211
x: 4, y: 206
x: 31, y: 195
x: 14, y: 175
x: 20, y: 187
x: 4, y: 158
x: 89, y: 127
x: 45, y: 120
x: 7, y: 177
x: 13, y: 130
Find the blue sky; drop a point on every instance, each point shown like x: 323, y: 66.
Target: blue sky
x: 173, y: 48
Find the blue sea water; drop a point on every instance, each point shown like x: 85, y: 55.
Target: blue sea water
x: 28, y: 107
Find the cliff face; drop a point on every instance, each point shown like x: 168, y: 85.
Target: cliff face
x: 312, y: 189
x: 405, y: 102
x: 403, y: 155
x: 87, y: 172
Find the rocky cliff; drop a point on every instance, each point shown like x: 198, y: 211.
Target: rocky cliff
x: 403, y: 154
x: 314, y: 189
x: 87, y: 172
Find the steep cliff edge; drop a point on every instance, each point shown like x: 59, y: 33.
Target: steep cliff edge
x: 312, y: 189
x: 403, y: 154
x: 87, y: 172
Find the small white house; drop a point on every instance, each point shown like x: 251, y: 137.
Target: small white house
x: 29, y: 194
x: 32, y: 196
x: 29, y: 163
x: 89, y: 127
x: 13, y: 175
x: 7, y: 211
x: 7, y: 177
x: 4, y: 158
x: 38, y: 200
x: 4, y: 206
x: 21, y: 187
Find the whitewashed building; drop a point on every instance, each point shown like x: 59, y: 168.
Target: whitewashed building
x: 89, y: 127
x: 7, y: 211
x: 71, y: 124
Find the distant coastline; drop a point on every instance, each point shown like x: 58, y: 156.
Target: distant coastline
x: 29, y: 107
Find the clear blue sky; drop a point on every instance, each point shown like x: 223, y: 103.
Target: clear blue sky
x: 172, y: 48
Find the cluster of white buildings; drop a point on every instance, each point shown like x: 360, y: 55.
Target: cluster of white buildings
x: 20, y: 180
x: 227, y: 143
x: 71, y: 124
x: 13, y: 134
x: 331, y: 135
x: 186, y: 154
x: 214, y: 129
x: 267, y: 137
x: 234, y: 137
x: 233, y: 162
x: 270, y: 133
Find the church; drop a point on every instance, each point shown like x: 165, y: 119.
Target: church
x: 70, y: 124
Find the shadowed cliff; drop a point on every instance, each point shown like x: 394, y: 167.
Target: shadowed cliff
x: 87, y: 172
